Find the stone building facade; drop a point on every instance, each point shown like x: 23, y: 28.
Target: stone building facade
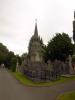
x: 35, y: 47
x: 34, y: 66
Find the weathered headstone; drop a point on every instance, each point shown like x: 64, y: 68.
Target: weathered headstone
x: 17, y: 67
x: 71, y: 70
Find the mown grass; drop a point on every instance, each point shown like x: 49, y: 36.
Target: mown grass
x: 67, y: 96
x: 24, y: 80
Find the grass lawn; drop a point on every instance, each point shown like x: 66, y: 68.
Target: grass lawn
x: 24, y: 80
x: 67, y: 96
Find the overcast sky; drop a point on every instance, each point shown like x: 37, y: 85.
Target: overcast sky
x: 17, y: 21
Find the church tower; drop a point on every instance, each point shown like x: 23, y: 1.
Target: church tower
x: 35, y: 47
x: 74, y: 28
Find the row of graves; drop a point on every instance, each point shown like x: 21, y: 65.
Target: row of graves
x: 40, y: 71
x: 36, y: 69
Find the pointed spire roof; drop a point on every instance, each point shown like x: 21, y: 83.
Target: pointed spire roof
x: 36, y: 30
x: 74, y: 14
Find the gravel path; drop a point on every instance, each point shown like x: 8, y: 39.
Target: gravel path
x: 11, y: 89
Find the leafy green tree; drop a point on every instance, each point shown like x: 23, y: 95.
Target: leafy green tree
x: 11, y: 61
x: 3, y: 53
x: 60, y: 47
x: 24, y: 56
x: 8, y: 57
x: 19, y: 59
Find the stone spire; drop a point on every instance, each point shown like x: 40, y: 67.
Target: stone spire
x: 74, y: 28
x: 74, y: 14
x: 36, y: 30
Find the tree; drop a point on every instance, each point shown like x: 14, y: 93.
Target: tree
x: 24, y: 56
x: 60, y: 47
x: 11, y: 61
x: 8, y: 57
x: 3, y: 53
x: 19, y: 59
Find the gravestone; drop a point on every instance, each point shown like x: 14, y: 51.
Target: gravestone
x: 17, y: 67
x: 71, y: 70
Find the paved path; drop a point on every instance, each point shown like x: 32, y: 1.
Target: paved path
x: 11, y: 89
